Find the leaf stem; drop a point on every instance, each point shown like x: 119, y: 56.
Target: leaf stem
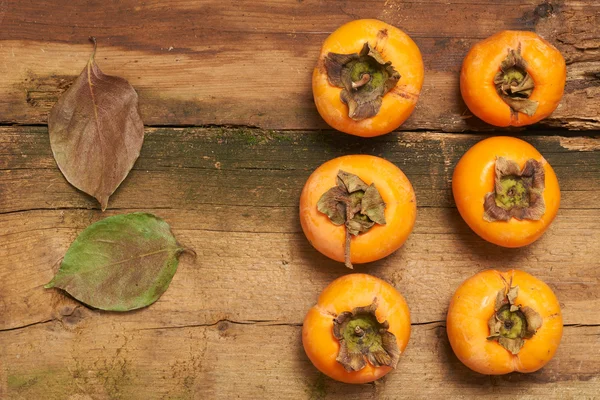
x: 93, y: 40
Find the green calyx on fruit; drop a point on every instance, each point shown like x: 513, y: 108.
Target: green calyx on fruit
x: 517, y: 193
x: 364, y: 339
x: 365, y: 78
x: 512, y: 324
x: 355, y: 205
x: 515, y: 85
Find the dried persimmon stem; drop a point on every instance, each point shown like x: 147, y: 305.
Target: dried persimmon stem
x: 347, y: 259
x: 362, y: 81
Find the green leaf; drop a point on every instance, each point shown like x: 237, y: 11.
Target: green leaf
x: 120, y: 263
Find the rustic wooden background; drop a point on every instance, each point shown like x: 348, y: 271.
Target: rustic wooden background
x: 232, y: 134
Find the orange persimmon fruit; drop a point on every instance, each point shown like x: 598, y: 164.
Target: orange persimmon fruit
x: 368, y: 78
x: 513, y: 78
x: 500, y: 322
x: 506, y: 191
x: 357, y: 208
x: 357, y: 330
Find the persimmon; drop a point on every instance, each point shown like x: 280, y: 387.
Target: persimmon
x: 506, y: 191
x: 357, y: 208
x: 513, y: 78
x: 357, y: 330
x: 368, y: 78
x: 500, y: 322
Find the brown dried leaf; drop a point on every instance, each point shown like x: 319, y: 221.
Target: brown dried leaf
x: 96, y: 132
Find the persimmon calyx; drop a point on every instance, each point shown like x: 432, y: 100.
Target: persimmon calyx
x: 517, y: 193
x: 515, y: 85
x: 512, y: 324
x: 355, y: 205
x: 364, y: 339
x: 364, y: 77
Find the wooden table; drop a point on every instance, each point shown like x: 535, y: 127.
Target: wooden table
x: 232, y: 135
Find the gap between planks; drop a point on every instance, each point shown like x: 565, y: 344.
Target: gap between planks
x: 249, y: 322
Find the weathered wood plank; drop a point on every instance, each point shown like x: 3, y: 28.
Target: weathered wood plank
x: 192, y: 168
x: 275, y: 276
x: 98, y: 356
x: 205, y: 62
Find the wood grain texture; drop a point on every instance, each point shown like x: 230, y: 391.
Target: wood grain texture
x: 229, y: 325
x: 206, y: 62
x: 106, y: 357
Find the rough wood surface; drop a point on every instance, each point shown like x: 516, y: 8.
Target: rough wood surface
x: 208, y: 62
x: 229, y: 325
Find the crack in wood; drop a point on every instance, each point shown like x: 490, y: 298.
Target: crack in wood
x: 149, y: 209
x: 553, y: 128
x: 27, y: 325
x: 256, y: 323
